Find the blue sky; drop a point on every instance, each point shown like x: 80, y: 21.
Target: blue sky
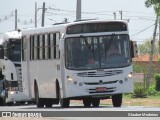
x: 135, y: 11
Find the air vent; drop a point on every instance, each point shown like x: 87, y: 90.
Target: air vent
x: 100, y: 73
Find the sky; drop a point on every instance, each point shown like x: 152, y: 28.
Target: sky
x: 141, y: 19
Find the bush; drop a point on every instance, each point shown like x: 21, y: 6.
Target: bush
x: 140, y: 92
x: 152, y: 91
x: 157, y: 79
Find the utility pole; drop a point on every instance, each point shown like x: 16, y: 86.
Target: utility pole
x: 114, y: 15
x: 78, y: 10
x: 15, y: 19
x: 121, y: 13
x: 150, y: 67
x: 35, y: 14
x: 43, y: 14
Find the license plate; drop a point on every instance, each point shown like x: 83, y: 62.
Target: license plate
x: 101, y: 89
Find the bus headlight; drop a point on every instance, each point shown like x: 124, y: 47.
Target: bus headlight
x: 130, y: 75
x: 11, y: 92
x: 69, y: 79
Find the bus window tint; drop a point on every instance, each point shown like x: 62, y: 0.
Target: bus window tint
x: 57, y: 46
x: 41, y: 47
x: 14, y: 50
x: 51, y: 45
x: 35, y: 47
x: 92, y: 52
x: 46, y: 46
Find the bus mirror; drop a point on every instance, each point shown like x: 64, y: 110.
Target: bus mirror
x: 134, y: 49
x: 1, y: 52
x: 13, y: 46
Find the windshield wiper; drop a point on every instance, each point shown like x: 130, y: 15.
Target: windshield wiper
x: 87, y: 44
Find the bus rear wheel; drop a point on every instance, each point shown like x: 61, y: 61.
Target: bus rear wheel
x: 117, y: 100
x: 39, y: 101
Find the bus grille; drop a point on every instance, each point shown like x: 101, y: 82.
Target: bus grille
x: 97, y: 83
x: 100, y: 73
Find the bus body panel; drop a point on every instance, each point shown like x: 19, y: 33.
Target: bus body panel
x: 46, y: 83
x: 84, y: 86
x: 72, y: 83
x: 11, y: 67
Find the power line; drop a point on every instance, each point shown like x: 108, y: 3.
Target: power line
x: 142, y: 30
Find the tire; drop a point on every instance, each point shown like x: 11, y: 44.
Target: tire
x: 64, y: 102
x: 4, y: 101
x: 39, y: 101
x: 48, y: 103
x: 22, y: 103
x: 95, y: 102
x: 9, y: 104
x: 1, y: 101
x: 117, y: 100
x: 86, y: 102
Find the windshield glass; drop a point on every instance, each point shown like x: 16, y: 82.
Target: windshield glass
x: 13, y: 86
x: 15, y: 50
x: 111, y: 51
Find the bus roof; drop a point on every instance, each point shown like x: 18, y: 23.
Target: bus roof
x: 16, y: 34
x: 62, y: 27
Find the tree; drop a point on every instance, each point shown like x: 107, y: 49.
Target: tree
x: 154, y: 3
x: 145, y: 48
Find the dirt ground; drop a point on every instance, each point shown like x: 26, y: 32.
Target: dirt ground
x: 132, y: 102
x: 136, y: 102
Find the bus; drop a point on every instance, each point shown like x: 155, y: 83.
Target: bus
x: 69, y: 61
x: 11, y: 89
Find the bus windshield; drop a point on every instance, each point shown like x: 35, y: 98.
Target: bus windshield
x: 12, y: 86
x: 97, y: 52
x: 15, y: 50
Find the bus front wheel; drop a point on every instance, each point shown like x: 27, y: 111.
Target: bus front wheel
x: 1, y: 101
x: 64, y: 102
x: 87, y: 102
x: 117, y: 100
x: 95, y: 102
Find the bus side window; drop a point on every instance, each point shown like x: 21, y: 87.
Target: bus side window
x: 51, y: 45
x: 32, y: 47
x: 35, y: 47
x: 31, y: 38
x: 46, y: 53
x: 40, y: 47
x: 5, y: 49
x: 23, y: 48
x: 56, y: 46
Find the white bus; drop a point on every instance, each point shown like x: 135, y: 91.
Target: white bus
x: 11, y: 89
x: 69, y: 62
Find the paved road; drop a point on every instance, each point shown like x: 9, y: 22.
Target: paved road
x: 78, y: 108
